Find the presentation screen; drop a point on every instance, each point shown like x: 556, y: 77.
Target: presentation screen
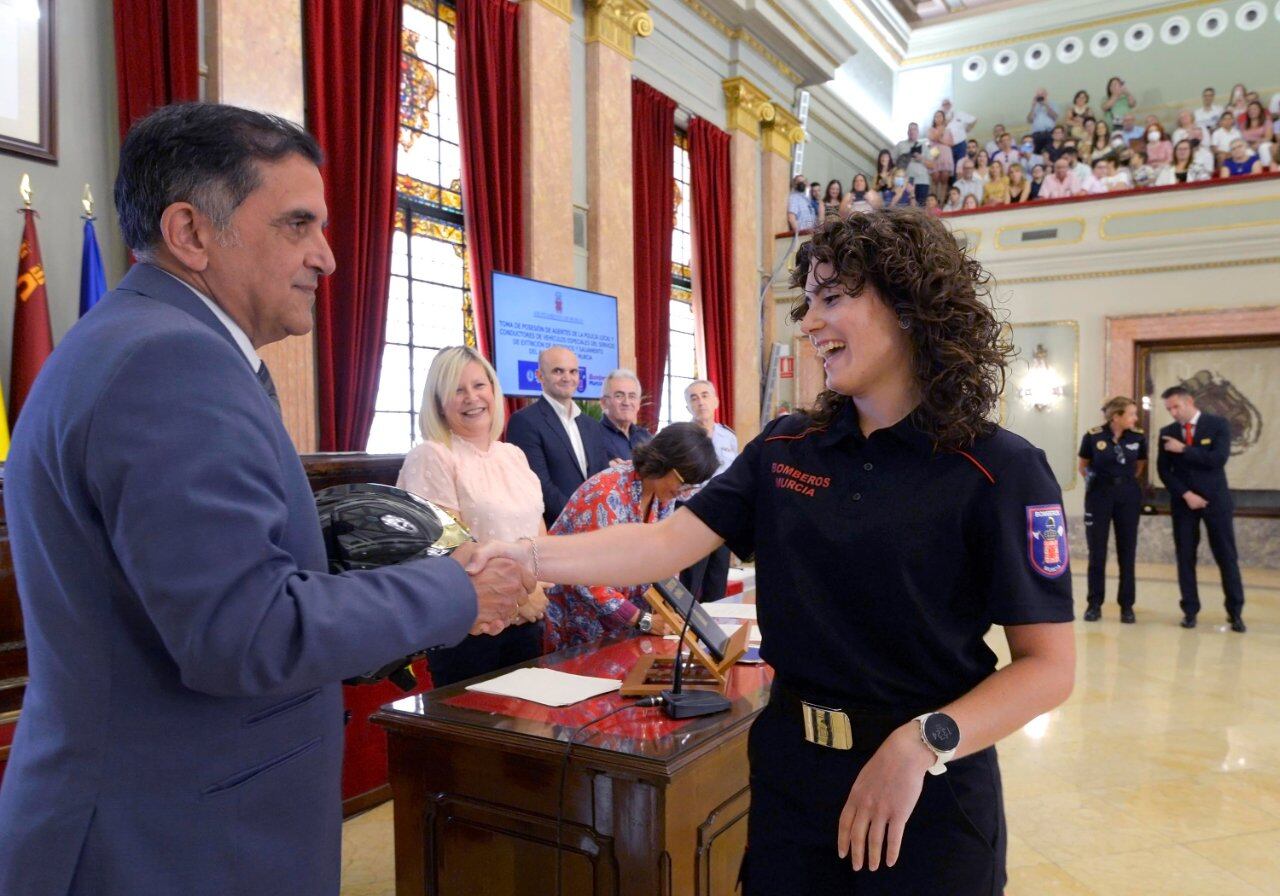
x: 530, y: 315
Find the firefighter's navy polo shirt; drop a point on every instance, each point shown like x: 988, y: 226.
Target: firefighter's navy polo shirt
x: 881, y: 563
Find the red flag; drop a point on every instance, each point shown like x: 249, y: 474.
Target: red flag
x: 32, y: 335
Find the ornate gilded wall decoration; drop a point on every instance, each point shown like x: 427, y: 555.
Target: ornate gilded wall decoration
x: 417, y: 90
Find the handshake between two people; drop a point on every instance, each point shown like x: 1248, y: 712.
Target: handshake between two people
x: 506, y: 592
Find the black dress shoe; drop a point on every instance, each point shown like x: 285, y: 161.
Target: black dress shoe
x: 1093, y: 614
x: 1127, y: 616
x: 1237, y: 624
x: 1188, y: 621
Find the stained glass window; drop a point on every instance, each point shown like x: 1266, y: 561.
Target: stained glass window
x: 429, y: 306
x: 682, y: 363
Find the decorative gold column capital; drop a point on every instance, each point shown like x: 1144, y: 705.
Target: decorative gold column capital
x: 782, y: 132
x: 747, y: 105
x: 562, y: 8
x: 615, y: 22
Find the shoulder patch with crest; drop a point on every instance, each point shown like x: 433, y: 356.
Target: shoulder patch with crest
x: 1047, y: 548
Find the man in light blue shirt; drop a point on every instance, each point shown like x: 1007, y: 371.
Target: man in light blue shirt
x: 1042, y: 117
x: 800, y: 214
x: 707, y: 578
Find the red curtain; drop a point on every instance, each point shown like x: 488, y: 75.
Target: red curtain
x: 157, y: 56
x: 353, y: 108
x: 713, y: 242
x: 488, y: 60
x: 652, y: 186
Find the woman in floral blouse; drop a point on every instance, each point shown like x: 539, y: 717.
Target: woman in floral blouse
x: 642, y: 491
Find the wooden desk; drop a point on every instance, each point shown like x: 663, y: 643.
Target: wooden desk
x: 652, y: 805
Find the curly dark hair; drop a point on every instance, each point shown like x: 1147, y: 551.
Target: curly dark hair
x: 961, y: 353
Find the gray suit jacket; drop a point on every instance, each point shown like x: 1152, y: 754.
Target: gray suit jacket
x: 182, y: 730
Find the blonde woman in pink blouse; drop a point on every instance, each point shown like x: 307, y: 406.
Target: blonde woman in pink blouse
x: 483, y: 482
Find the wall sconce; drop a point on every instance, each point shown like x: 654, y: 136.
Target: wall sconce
x: 1041, y: 387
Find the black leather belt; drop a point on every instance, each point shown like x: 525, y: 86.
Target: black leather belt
x: 840, y: 728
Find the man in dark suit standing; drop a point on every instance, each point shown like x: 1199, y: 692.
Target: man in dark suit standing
x: 1191, y: 461
x: 182, y: 729
x: 564, y: 446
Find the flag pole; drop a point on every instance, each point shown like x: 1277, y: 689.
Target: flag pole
x: 24, y: 190
x: 87, y: 201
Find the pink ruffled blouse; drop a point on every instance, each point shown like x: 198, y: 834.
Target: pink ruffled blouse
x: 494, y: 492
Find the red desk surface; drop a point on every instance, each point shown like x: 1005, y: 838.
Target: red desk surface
x: 645, y: 733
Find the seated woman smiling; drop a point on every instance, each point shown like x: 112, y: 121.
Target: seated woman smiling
x: 641, y: 491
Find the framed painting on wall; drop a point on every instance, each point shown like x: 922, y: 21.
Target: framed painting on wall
x: 1233, y: 378
x: 28, y: 120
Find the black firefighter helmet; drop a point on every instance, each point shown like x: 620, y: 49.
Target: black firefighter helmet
x: 369, y: 525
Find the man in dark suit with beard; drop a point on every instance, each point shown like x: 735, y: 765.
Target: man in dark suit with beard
x: 1193, y: 454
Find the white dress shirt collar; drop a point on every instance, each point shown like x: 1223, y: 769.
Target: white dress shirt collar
x: 565, y: 414
x: 239, y: 335
x: 1194, y: 420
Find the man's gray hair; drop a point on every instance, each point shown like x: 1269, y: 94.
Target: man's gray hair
x: 698, y: 383
x: 622, y: 373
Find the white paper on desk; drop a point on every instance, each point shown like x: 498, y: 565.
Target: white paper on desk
x: 725, y: 610
x: 546, y: 686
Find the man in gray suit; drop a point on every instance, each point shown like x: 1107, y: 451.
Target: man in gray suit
x: 182, y: 729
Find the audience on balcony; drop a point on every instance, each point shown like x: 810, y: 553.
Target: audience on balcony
x: 1019, y: 185
x: 1241, y: 161
x: 860, y: 198
x: 996, y: 190
x: 832, y: 200
x: 1119, y: 103
x: 1079, y: 152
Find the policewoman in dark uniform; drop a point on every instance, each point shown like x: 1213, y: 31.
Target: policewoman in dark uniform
x: 892, y: 525
x: 1112, y: 458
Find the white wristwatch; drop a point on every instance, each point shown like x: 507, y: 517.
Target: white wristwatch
x: 940, y: 733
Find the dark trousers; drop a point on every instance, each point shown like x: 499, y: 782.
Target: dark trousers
x: 480, y: 654
x: 1222, y: 542
x: 706, y: 580
x: 954, y: 841
x: 1041, y: 139
x: 1105, y: 503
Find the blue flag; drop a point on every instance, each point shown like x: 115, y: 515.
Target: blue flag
x: 93, y: 281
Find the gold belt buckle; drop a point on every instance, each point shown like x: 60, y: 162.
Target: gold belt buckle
x: 826, y: 727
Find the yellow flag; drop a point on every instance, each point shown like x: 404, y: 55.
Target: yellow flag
x: 4, y: 429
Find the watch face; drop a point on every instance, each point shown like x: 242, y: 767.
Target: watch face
x: 942, y: 732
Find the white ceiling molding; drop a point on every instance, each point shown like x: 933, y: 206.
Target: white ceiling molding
x: 1252, y: 16
x: 1175, y: 30
x: 959, y: 36
x: 1104, y: 43
x: 1212, y: 22
x: 974, y: 68
x: 1037, y: 56
x: 1070, y: 49
x: 1138, y: 37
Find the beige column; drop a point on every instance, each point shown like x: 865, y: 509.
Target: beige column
x: 747, y: 106
x: 255, y: 60
x: 546, y: 109
x: 611, y: 26
x: 779, y: 135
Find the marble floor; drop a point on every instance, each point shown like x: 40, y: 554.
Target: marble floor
x: 1160, y: 776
